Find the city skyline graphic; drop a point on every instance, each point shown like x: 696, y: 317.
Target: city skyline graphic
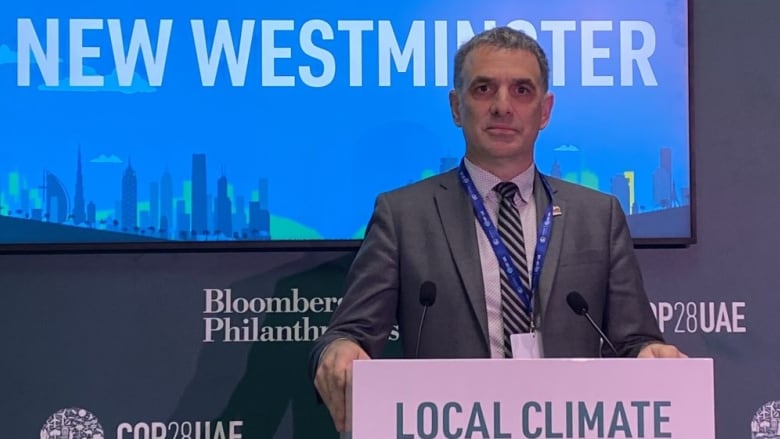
x: 202, y: 209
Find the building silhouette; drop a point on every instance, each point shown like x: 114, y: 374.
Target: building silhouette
x: 622, y: 191
x: 212, y: 219
x: 165, y: 228
x: 57, y: 201
x: 260, y: 218
x: 154, y: 206
x: 259, y: 221
x: 182, y: 220
x: 199, y: 195
x: 14, y: 190
x: 223, y: 212
x: 25, y: 197
x: 79, y: 209
x: 166, y: 202
x: 129, y: 204
x: 144, y: 219
x: 632, y: 205
x: 239, y: 217
x: 91, y: 214
x: 664, y: 193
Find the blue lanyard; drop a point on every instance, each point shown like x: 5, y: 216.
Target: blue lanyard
x: 502, y: 254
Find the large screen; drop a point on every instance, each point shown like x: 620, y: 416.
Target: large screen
x: 173, y: 124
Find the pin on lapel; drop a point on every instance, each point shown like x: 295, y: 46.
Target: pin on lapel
x: 557, y: 211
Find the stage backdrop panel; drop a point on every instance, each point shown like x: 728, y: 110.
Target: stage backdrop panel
x: 181, y: 343
x: 214, y: 341
x: 169, y: 123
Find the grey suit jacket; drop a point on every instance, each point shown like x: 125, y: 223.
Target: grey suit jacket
x: 426, y: 231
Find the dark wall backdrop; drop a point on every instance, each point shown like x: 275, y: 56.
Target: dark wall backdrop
x: 121, y: 335
x: 736, y: 109
x: 736, y: 117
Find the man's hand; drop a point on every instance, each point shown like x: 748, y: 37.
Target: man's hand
x: 660, y: 350
x: 334, y: 378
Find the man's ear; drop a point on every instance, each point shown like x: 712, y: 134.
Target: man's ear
x: 547, y: 105
x: 455, y: 107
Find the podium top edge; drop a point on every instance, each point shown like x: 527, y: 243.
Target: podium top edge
x: 547, y: 360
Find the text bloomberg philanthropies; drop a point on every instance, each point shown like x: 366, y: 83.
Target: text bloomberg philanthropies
x: 235, y: 319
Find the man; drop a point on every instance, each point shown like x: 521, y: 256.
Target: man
x: 503, y: 244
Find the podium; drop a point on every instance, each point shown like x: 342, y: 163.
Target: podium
x: 537, y: 398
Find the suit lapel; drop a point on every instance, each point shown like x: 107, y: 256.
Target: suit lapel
x: 457, y: 219
x: 556, y: 241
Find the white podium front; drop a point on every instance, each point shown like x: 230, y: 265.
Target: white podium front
x: 539, y: 398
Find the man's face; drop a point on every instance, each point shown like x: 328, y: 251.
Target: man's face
x: 501, y: 105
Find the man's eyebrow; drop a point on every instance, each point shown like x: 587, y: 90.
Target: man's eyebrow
x: 524, y: 81
x: 481, y: 79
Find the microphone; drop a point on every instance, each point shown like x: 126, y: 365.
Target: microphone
x: 427, y: 298
x: 578, y: 304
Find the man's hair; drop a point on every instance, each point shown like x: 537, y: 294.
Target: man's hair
x: 501, y: 38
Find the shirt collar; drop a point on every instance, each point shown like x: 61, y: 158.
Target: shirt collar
x: 484, y: 181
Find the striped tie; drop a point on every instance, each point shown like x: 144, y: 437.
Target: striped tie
x: 515, y: 316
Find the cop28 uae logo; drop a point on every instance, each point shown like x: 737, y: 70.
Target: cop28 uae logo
x: 72, y: 423
x: 766, y: 422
